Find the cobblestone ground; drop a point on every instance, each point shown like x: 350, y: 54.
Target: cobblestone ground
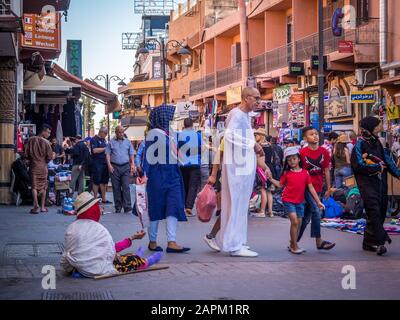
x: 29, y: 242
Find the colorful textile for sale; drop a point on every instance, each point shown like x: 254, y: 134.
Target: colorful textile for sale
x: 358, y: 226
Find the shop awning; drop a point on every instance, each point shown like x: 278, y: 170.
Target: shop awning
x: 109, y: 98
x: 32, y: 82
x: 141, y: 88
x: 388, y: 80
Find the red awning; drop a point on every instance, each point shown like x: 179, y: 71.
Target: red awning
x: 91, y: 89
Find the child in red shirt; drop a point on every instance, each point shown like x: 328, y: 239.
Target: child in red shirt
x: 295, y: 180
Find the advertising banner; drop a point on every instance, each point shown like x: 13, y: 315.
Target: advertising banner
x: 234, y: 95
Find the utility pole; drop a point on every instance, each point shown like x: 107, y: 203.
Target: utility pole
x: 321, y: 75
x: 244, y: 43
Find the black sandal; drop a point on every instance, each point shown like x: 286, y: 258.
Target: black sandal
x: 326, y: 245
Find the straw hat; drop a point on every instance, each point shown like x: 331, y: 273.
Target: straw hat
x: 343, y: 138
x: 83, y: 202
x: 261, y: 132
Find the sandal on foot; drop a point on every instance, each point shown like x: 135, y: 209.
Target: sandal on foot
x: 326, y: 245
x: 45, y: 210
x: 298, y: 251
x: 156, y: 249
x: 34, y: 211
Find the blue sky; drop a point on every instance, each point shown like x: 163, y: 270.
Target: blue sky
x: 100, y: 24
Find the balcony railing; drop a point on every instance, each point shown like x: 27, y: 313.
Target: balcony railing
x: 366, y: 32
x: 229, y: 75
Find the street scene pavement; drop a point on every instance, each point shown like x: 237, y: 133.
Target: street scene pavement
x: 29, y: 242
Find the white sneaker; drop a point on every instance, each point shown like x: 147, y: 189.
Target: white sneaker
x: 244, y: 253
x: 212, y: 244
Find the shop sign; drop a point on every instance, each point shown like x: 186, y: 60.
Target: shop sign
x: 40, y: 33
x: 296, y: 110
x: 315, y: 62
x: 184, y: 109
x: 74, y: 57
x: 282, y: 94
x: 157, y: 69
x: 363, y: 97
x: 233, y: 95
x: 345, y: 46
x: 296, y: 68
x: 337, y: 106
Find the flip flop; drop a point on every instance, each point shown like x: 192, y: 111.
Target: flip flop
x: 45, y: 210
x: 33, y: 211
x: 326, y: 245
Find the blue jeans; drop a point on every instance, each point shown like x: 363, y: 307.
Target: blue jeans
x: 172, y: 224
x: 311, y: 213
x: 298, y: 209
x: 340, y: 175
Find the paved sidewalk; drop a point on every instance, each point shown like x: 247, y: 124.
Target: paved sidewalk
x: 28, y: 242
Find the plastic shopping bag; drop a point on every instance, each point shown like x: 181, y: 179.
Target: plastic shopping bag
x: 206, y: 203
x: 142, y: 206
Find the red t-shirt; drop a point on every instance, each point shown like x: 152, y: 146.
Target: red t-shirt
x: 295, y: 184
x: 315, y: 162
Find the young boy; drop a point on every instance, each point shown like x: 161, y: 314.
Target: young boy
x: 316, y: 161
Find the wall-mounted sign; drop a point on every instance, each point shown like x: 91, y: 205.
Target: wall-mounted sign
x: 39, y: 36
x: 337, y: 106
x: 345, y: 46
x: 315, y: 62
x: 233, y: 95
x: 157, y: 69
x: 296, y: 68
x: 363, y: 97
x: 74, y: 57
x: 184, y: 108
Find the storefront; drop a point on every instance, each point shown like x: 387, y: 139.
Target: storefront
x: 289, y: 112
x: 53, y: 102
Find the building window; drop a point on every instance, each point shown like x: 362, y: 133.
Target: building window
x: 362, y: 10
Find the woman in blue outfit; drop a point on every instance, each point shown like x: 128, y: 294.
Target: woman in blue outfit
x: 165, y: 189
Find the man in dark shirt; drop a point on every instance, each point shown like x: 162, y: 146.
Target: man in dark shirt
x: 58, y: 150
x: 80, y: 156
x: 100, y: 175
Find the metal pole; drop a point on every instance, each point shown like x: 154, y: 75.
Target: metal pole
x: 164, y: 65
x: 244, y: 43
x: 108, y: 114
x: 321, y: 76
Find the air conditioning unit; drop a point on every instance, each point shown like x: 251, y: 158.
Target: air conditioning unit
x: 169, y: 76
x: 366, y: 77
x: 305, y: 82
x: 10, y: 7
x: 178, y: 68
x: 311, y: 81
x: 301, y: 83
x: 188, y: 62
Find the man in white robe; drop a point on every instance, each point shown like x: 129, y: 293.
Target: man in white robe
x: 238, y: 174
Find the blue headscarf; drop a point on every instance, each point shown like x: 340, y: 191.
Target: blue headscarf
x: 160, y: 117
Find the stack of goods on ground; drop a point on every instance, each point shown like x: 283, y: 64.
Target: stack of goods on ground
x: 358, y: 226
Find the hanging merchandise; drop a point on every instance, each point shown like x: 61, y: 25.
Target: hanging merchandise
x: 59, y: 133
x: 393, y: 112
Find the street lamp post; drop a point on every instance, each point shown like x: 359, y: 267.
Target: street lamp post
x: 163, y: 48
x: 107, y: 79
x: 321, y: 76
